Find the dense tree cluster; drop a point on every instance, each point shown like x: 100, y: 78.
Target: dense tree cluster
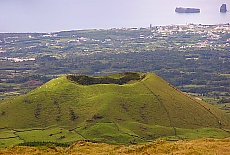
x: 87, y: 80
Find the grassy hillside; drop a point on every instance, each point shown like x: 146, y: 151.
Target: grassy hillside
x: 65, y: 111
x: 201, y: 146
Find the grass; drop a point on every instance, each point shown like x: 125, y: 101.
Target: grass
x: 5, y: 133
x: 222, y: 105
x: 107, y: 132
x: 200, y: 133
x: 210, y: 100
x: 50, y: 135
x: 118, y: 114
x: 9, y: 142
x: 201, y: 146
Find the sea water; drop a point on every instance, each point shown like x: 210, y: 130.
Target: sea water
x: 59, y: 15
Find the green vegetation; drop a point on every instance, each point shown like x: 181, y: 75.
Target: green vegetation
x: 200, y: 146
x: 63, y: 111
x: 123, y: 79
x: 49, y: 144
x: 126, y: 108
x: 193, y: 58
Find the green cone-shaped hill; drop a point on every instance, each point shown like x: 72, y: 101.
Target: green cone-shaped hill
x: 123, y: 108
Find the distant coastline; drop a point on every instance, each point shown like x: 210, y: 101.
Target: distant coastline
x: 187, y: 10
x: 103, y: 14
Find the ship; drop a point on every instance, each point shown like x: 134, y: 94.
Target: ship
x: 187, y: 10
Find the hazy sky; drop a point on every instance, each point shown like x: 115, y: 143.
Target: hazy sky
x: 56, y: 15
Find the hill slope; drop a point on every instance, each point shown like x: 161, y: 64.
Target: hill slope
x: 64, y: 111
x: 201, y: 146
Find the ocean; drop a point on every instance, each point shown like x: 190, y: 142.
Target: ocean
x: 60, y: 15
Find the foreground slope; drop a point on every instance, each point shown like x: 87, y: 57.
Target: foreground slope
x: 201, y: 146
x: 65, y: 111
